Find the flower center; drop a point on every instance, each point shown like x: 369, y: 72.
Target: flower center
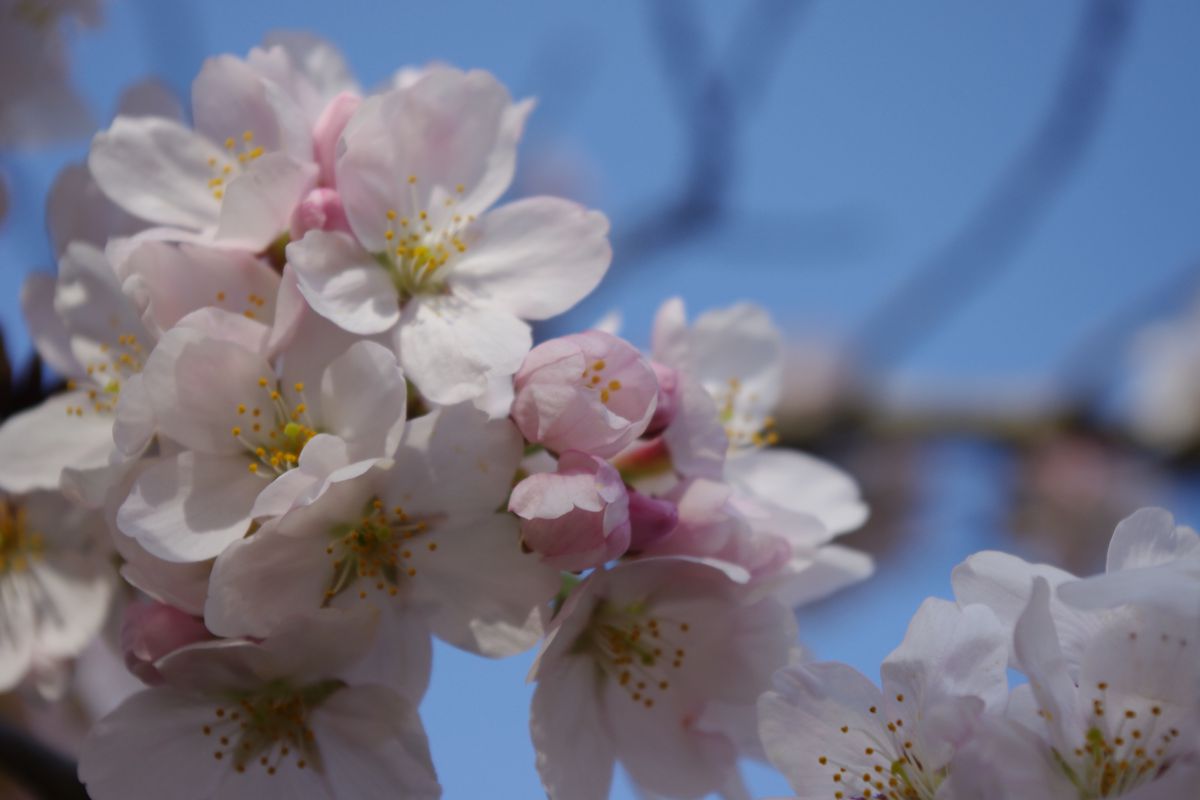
x: 1123, y: 751
x: 640, y: 652
x: 267, y: 726
x: 593, y: 378
x: 274, y: 430
x: 18, y: 545
x: 742, y: 425
x: 112, y: 363
x: 889, y: 769
x: 420, y: 247
x: 239, y: 154
x: 377, y: 551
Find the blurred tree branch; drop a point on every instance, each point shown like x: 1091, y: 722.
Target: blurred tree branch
x: 973, y: 257
x: 700, y: 85
x: 47, y: 774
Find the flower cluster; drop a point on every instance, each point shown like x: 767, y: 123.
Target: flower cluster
x: 305, y: 414
x: 1110, y: 704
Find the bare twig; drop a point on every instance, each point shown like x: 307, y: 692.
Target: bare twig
x: 976, y: 255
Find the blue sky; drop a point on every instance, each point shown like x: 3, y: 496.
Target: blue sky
x: 882, y: 128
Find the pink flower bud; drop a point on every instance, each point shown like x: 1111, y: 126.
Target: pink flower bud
x: 321, y: 210
x: 328, y: 129
x: 589, y: 391
x: 668, y: 398
x: 577, y: 517
x: 650, y: 519
x: 153, y: 630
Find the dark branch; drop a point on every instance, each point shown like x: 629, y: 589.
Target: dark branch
x: 977, y: 254
x: 47, y: 774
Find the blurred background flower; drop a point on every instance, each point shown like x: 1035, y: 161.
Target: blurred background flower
x: 963, y: 215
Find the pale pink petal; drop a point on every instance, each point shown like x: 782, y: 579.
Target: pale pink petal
x: 259, y: 203
x: 363, y: 400
x: 575, y: 747
x: 451, y: 349
x: 181, y: 278
x: 38, y: 443
x: 158, y: 170
x: 1148, y: 538
x: 77, y: 211
x: 372, y: 744
x: 482, y: 593
x: 343, y: 283
x: 259, y: 582
x: 230, y: 99
x: 802, y: 720
x: 17, y: 632
x: 1004, y: 583
x: 50, y: 336
x: 799, y: 482
x: 1036, y: 644
x: 535, y: 258
x: 190, y: 507
x: 664, y: 750
x: 196, y: 384
x: 153, y: 745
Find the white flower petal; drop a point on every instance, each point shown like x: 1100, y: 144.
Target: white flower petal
x: 1003, y: 583
x: 77, y: 211
x: 158, y: 170
x: 451, y: 349
x: 363, y: 400
x: 664, y: 750
x: 259, y: 203
x: 575, y: 748
x: 535, y: 258
x: 1149, y: 538
x: 195, y: 385
x: 229, y: 99
x: 46, y: 328
x: 181, y: 278
x: 372, y: 744
x: 74, y: 591
x: 260, y: 582
x: 799, y: 482
x: 17, y: 631
x: 153, y: 745
x: 802, y: 719
x: 190, y: 507
x: 344, y: 283
x: 38, y: 443
x: 483, y: 594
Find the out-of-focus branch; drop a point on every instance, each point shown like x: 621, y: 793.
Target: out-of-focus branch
x: 45, y: 773
x: 977, y: 253
x: 712, y: 114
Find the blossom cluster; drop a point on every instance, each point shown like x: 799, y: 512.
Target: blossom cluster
x: 305, y: 415
x: 1109, y: 704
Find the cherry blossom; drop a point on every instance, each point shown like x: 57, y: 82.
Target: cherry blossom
x: 419, y: 167
x: 835, y: 734
x: 590, y: 392
x: 254, y: 433
x: 235, y: 179
x: 646, y: 664
x: 421, y: 532
x: 577, y: 517
x: 239, y: 719
x: 56, y: 583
